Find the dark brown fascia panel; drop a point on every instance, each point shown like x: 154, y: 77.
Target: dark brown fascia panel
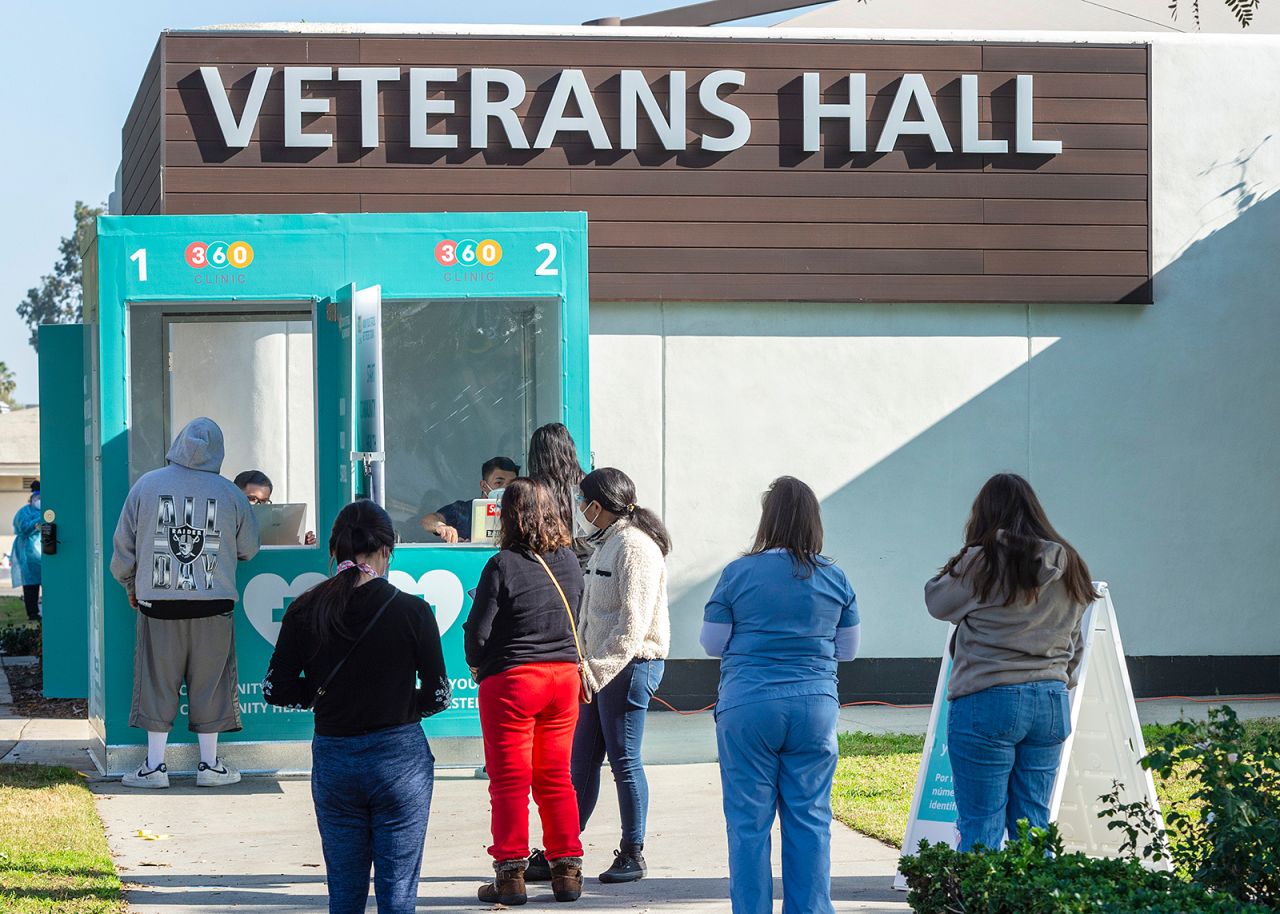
x: 715, y: 12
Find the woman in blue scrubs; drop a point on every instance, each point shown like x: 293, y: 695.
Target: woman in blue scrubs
x: 779, y: 619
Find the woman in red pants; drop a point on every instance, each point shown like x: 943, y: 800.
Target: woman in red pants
x: 522, y: 649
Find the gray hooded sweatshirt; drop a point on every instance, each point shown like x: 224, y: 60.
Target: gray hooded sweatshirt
x: 183, y: 527
x: 1008, y: 645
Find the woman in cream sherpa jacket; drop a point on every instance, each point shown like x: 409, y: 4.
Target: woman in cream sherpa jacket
x: 626, y: 634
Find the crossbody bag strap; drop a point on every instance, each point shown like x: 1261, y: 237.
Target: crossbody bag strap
x: 324, y: 687
x: 573, y: 623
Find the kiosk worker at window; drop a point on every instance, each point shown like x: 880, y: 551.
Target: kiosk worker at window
x: 452, y: 523
x: 257, y: 487
x: 780, y: 618
x: 1016, y: 593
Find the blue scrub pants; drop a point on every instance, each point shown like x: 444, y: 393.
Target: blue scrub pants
x: 778, y: 756
x: 1005, y: 744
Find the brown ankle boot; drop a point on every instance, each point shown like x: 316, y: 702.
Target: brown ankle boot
x: 566, y: 878
x: 508, y: 884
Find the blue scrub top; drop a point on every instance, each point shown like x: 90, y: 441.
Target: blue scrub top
x: 784, y: 628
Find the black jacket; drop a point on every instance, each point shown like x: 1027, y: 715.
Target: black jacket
x: 378, y: 686
x: 517, y: 616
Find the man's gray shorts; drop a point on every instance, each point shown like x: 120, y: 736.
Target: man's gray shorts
x: 201, y: 651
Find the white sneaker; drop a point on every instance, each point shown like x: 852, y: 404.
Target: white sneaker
x: 152, y: 778
x: 219, y: 774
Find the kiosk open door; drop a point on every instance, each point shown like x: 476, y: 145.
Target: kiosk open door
x: 349, y: 349
x: 346, y: 356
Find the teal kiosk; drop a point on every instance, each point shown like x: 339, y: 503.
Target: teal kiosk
x: 365, y: 355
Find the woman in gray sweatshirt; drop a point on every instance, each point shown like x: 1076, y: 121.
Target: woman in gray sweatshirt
x: 1016, y: 593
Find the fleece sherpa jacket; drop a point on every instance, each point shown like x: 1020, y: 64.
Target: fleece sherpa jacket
x: 624, y: 603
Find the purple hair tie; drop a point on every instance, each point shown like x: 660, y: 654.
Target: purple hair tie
x: 347, y: 564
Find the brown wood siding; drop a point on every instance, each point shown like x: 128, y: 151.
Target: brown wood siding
x: 142, y: 142
x: 766, y: 222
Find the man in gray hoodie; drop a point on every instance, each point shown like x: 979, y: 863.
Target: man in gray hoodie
x: 184, y: 527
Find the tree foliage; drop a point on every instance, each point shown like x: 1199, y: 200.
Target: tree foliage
x: 1243, y: 10
x: 59, y: 298
x: 7, y: 384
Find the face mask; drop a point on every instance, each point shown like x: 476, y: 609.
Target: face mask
x: 35, y: 502
x: 583, y: 526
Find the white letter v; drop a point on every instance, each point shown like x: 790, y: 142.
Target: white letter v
x: 235, y: 134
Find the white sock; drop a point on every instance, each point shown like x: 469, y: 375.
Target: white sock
x: 155, y: 749
x: 208, y: 748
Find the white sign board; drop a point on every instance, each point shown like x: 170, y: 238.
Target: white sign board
x: 366, y: 315
x: 1105, y: 745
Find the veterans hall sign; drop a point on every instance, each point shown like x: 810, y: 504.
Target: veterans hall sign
x: 497, y: 94
x: 713, y: 165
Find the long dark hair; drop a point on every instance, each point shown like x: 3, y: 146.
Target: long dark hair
x: 361, y: 528
x: 616, y: 493
x: 790, y: 519
x: 1008, y: 522
x: 553, y: 460
x: 530, y: 519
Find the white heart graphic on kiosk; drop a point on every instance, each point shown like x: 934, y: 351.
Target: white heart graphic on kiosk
x: 267, y: 596
x: 440, y: 588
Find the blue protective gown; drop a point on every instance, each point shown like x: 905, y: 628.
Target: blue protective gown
x: 26, y: 547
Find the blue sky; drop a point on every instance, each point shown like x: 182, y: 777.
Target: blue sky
x: 72, y: 69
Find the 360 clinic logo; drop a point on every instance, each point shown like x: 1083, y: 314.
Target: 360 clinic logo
x: 219, y: 255
x: 468, y: 253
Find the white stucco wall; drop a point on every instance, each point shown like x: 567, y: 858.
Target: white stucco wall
x: 1150, y: 431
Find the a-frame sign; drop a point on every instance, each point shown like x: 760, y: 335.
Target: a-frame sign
x: 1105, y: 745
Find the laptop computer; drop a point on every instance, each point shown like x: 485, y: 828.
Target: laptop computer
x: 281, y: 525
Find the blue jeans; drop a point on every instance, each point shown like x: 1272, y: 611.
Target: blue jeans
x: 778, y: 756
x: 372, y: 796
x: 1005, y: 744
x: 613, y: 725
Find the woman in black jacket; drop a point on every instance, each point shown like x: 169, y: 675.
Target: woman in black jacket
x: 522, y: 649
x: 353, y: 649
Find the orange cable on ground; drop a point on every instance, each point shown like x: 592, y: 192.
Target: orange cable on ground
x: 886, y: 704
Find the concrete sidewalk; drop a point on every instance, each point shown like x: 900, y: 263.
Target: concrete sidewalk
x: 254, y: 847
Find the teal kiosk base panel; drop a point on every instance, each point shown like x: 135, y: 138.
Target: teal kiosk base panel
x: 383, y: 356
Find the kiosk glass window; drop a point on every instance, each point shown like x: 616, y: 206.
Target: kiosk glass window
x: 464, y: 380
x: 252, y: 373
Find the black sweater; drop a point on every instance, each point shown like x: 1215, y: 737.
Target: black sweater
x: 378, y: 686
x: 517, y: 616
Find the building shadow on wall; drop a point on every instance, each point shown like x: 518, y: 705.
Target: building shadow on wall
x: 1151, y: 434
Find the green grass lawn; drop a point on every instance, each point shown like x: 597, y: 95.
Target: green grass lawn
x: 12, y: 612
x: 876, y: 777
x: 53, y: 853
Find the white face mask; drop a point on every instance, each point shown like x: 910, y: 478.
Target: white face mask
x: 35, y: 502
x: 583, y: 526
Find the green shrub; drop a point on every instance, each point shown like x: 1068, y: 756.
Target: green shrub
x: 20, y: 640
x: 1032, y: 874
x: 1226, y: 834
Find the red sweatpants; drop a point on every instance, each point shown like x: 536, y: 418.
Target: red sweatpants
x: 528, y: 715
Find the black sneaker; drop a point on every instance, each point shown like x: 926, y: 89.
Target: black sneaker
x: 538, y: 869
x: 628, y: 865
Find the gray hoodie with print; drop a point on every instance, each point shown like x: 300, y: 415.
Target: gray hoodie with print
x: 183, y: 527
